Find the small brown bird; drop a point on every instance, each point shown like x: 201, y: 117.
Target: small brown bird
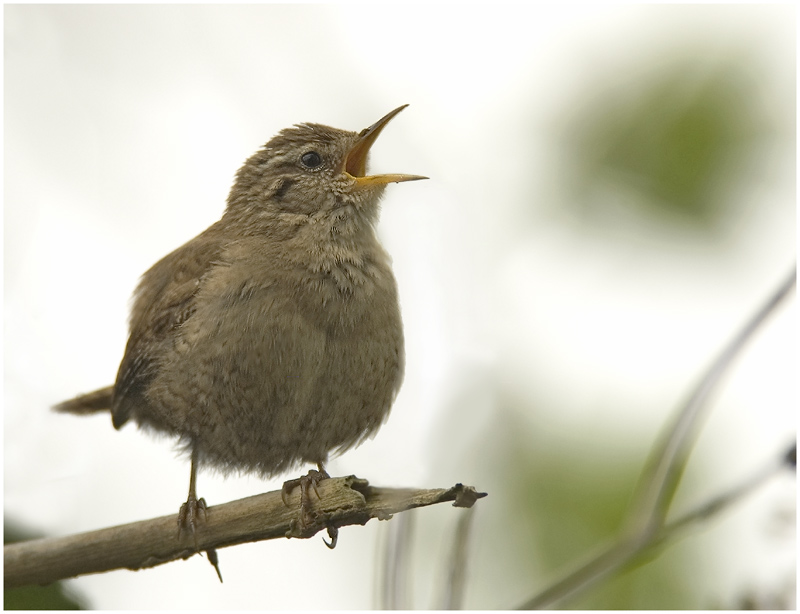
x: 274, y: 337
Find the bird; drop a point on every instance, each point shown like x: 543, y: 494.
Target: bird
x: 274, y: 338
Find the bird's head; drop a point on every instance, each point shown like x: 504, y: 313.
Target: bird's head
x: 312, y: 169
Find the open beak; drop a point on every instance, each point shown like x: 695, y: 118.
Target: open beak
x: 355, y: 164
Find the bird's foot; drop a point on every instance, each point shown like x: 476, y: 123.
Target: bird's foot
x: 191, y: 514
x: 306, y: 483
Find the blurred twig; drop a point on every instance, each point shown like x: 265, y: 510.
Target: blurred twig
x: 343, y: 501
x: 666, y: 464
x: 395, y: 590
x: 623, y: 552
x: 454, y: 596
x: 646, y: 525
x: 678, y: 527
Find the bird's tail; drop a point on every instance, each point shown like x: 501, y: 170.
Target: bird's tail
x: 89, y: 403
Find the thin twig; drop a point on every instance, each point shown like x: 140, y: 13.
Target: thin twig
x: 343, y: 501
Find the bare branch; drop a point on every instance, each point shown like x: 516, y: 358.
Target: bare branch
x: 343, y: 501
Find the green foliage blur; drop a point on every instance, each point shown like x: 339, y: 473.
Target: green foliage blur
x: 674, y: 142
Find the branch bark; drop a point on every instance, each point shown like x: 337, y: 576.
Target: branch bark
x: 139, y: 545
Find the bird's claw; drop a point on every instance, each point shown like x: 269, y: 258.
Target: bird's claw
x: 333, y: 533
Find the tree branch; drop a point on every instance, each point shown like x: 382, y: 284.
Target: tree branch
x: 342, y: 501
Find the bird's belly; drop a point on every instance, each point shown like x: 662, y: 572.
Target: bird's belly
x: 288, y: 390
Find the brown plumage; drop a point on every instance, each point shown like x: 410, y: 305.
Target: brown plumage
x: 274, y: 337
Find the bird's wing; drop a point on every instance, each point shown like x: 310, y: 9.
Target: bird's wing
x: 163, y: 301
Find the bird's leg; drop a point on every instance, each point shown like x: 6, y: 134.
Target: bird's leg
x: 190, y: 513
x: 306, y: 483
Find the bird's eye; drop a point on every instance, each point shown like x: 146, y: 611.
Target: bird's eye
x: 311, y: 159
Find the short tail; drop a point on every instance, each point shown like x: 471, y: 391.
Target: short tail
x: 89, y: 403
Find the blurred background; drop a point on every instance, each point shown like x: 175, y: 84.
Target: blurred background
x: 612, y: 194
